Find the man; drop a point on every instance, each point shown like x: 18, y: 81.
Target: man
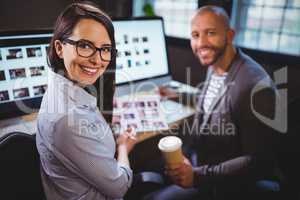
x: 234, y: 148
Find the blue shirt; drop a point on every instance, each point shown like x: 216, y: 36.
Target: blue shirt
x: 76, y: 146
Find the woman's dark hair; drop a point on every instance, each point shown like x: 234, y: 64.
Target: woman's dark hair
x: 63, y: 29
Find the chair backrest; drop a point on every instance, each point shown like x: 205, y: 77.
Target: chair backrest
x: 289, y: 151
x: 19, y: 167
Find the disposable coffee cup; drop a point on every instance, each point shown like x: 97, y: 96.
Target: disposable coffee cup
x: 170, y: 146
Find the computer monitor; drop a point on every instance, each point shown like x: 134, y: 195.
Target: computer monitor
x: 142, y: 60
x: 23, y: 71
x: 142, y: 63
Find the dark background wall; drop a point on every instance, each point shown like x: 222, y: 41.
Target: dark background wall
x: 182, y: 61
x: 35, y: 14
x: 31, y: 14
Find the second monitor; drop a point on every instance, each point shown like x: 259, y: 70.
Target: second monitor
x: 142, y: 54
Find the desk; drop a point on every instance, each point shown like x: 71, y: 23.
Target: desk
x: 27, y: 123
x: 144, y: 157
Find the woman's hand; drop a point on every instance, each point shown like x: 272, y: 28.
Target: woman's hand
x: 127, y: 140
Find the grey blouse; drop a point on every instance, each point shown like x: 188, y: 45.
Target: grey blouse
x: 76, y: 146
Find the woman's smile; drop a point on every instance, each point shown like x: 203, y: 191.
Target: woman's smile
x: 88, y: 70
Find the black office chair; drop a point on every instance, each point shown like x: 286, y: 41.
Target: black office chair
x: 288, y: 185
x: 20, y: 168
x: 143, y: 184
x: 145, y: 161
x: 20, y: 171
x: 289, y: 152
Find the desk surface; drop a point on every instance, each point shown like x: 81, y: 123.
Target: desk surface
x: 27, y: 124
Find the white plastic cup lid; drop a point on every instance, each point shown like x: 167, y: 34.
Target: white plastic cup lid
x: 169, y: 143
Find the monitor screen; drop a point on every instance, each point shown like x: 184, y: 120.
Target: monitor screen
x: 141, y: 55
x: 23, y: 70
x: 142, y: 52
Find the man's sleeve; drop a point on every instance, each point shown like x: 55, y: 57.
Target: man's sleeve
x: 258, y: 142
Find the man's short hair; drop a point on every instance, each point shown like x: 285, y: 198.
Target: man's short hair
x: 219, y: 11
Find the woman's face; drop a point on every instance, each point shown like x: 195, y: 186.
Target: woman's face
x: 81, y: 69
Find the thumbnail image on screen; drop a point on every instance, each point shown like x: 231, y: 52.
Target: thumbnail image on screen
x: 23, y: 66
x: 141, y: 54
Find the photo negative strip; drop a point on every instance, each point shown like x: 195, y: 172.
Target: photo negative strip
x: 129, y: 116
x: 146, y: 124
x: 132, y: 125
x: 140, y: 104
x: 127, y: 104
x: 151, y: 113
x: 152, y: 104
x: 116, y: 127
x: 142, y: 113
x: 159, y: 124
x: 116, y: 123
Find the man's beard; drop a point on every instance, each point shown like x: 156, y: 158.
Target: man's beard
x: 219, y: 52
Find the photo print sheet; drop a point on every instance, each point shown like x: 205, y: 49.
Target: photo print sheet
x: 142, y: 113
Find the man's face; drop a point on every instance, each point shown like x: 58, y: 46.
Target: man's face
x: 208, y: 38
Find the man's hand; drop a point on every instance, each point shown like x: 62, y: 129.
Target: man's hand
x: 182, y: 174
x: 168, y: 93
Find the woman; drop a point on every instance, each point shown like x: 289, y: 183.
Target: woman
x: 75, y: 143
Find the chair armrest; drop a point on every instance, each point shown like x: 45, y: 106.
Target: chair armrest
x: 148, y: 177
x: 268, y: 185
x: 144, y: 183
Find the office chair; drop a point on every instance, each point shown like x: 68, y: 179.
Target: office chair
x: 289, y: 152
x: 143, y: 184
x: 20, y: 168
x: 20, y: 171
x: 288, y: 185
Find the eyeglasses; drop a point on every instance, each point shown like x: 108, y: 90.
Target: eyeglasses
x: 87, y: 49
